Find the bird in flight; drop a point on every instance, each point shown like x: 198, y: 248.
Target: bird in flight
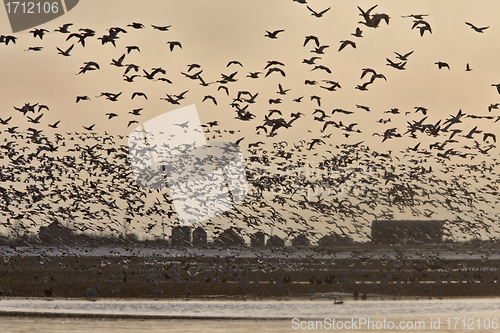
x: 310, y: 61
x: 493, y: 106
x: 133, y: 47
x: 6, y: 121
x: 357, y: 33
x: 82, y: 98
x: 164, y: 28
x: 64, y: 28
x: 273, y: 34
x: 373, y: 21
x: 54, y: 125
x: 174, y: 44
x: 65, y: 53
x: 480, y: 30
x: 416, y: 16
x: 38, y: 32
x: 130, y: 78
x: 7, y: 39
x: 313, y: 142
x: 273, y: 63
x: 399, y: 65
x: 366, y: 108
x: 132, y: 122
x: 254, y: 75
x: 89, y: 66
x: 139, y: 94
x: 119, y: 62
x: 326, y: 69
x: 320, y: 14
x: 136, y: 25
x: 487, y: 135
x: 36, y: 120
x: 421, y: 109
x: 110, y: 96
x: 234, y: 62
x: 136, y: 112
x: 345, y: 43
x: 313, y: 38
x: 320, y: 50
x: 275, y: 69
x: 362, y: 87
x: 403, y: 57
x: 423, y: 26
x: 442, y: 64
x: 89, y: 128
x: 81, y: 38
x: 211, y: 98
x: 497, y: 85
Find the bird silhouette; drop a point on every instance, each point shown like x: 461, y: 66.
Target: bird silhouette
x: 344, y: 43
x: 64, y: 28
x: 119, y: 62
x: 39, y: 32
x: 311, y: 60
x: 423, y: 26
x: 173, y: 44
x: 358, y: 32
x: 442, y: 64
x: 65, y: 53
x: 373, y: 21
x: 320, y: 49
x: 137, y: 93
x: 136, y: 25
x: 317, y: 14
x: 403, y: 57
x: 311, y: 38
x: 273, y: 34
x: 54, y: 125
x: 82, y: 98
x: 6, y: 39
x: 131, y: 48
x: 480, y: 30
x: 161, y: 28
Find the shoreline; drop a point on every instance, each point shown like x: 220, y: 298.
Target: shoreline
x: 76, y: 314
x: 54, y: 315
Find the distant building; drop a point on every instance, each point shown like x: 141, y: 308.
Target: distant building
x: 181, y: 236
x: 301, y: 241
x: 55, y: 232
x: 258, y: 240
x: 407, y: 231
x: 333, y: 239
x: 199, y: 237
x: 275, y: 242
x: 229, y: 237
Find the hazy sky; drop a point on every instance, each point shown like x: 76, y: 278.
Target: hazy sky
x: 212, y: 33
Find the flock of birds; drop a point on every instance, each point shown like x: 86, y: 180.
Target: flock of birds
x: 156, y: 276
x: 85, y: 177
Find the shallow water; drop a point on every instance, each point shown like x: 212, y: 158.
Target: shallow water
x: 248, y: 316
